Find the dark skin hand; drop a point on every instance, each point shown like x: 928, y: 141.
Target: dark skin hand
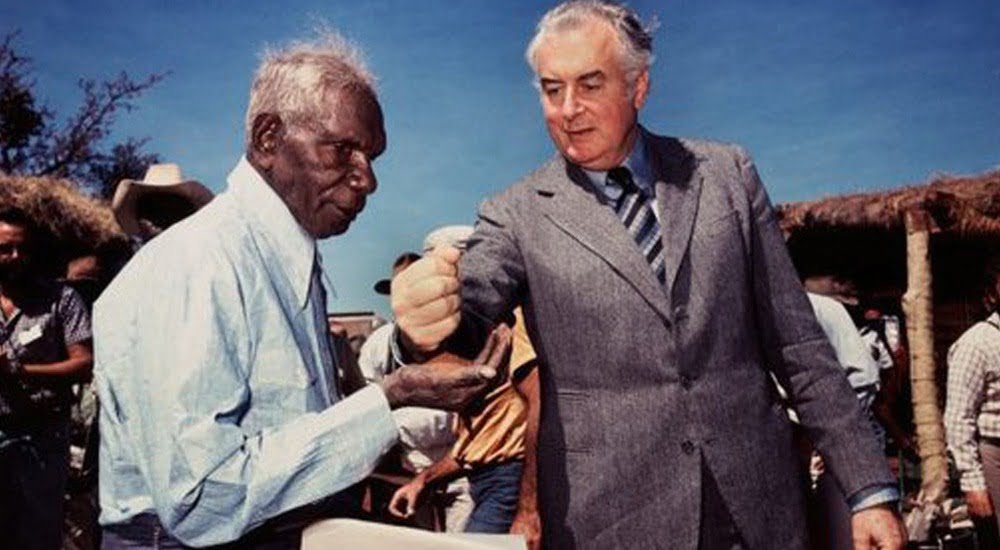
x: 447, y: 381
x: 980, y: 504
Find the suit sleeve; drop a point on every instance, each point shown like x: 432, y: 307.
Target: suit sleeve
x: 492, y: 275
x: 799, y: 354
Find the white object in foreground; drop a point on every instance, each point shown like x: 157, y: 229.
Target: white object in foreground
x: 363, y: 535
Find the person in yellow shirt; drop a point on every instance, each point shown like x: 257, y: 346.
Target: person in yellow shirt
x: 490, y: 447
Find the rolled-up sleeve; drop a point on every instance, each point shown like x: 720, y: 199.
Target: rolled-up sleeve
x: 966, y: 392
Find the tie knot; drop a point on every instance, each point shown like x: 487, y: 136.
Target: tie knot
x: 620, y: 176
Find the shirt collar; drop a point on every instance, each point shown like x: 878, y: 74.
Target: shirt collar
x: 637, y: 162
x: 292, y: 249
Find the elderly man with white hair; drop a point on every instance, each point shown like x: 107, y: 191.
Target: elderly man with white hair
x: 226, y: 416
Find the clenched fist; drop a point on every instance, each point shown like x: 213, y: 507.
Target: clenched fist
x: 426, y: 300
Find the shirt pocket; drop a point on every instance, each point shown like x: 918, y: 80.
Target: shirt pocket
x: 282, y: 368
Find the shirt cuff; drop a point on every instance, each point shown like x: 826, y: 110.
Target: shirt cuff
x: 973, y: 480
x: 371, y: 402
x: 873, y: 495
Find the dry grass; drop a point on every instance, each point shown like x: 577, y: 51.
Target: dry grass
x: 77, y: 224
x: 968, y: 205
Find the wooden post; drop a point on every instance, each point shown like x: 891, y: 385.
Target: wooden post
x: 918, y: 308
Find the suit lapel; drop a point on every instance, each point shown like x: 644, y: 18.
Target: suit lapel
x: 578, y: 212
x: 678, y: 188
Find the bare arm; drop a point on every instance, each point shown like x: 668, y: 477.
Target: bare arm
x: 404, y: 501
x: 77, y: 366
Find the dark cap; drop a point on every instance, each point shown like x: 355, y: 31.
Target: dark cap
x: 382, y: 286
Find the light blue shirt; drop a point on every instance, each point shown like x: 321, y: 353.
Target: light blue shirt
x: 219, y: 401
x: 638, y: 165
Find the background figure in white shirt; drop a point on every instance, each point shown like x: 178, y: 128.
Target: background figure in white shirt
x: 425, y: 435
x: 829, y: 514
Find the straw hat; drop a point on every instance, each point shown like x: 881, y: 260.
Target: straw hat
x: 165, y: 179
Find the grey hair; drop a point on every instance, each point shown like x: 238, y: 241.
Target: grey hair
x: 634, y: 36
x: 292, y: 81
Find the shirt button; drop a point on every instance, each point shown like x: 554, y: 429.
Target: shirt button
x: 687, y: 447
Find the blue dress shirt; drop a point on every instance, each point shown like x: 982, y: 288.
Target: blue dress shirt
x: 219, y: 402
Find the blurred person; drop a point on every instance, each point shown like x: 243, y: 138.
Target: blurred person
x: 222, y: 418
x: 45, y: 347
x: 425, y: 435
x: 830, y: 516
x: 659, y: 417
x: 145, y: 208
x: 490, y: 446
x: 892, y: 407
x: 972, y: 411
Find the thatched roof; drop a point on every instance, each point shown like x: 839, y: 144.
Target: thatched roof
x: 79, y: 224
x: 968, y: 206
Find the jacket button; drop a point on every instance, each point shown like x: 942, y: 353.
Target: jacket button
x: 687, y: 447
x: 686, y: 382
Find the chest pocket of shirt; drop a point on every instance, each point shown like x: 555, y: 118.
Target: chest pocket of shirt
x: 282, y: 368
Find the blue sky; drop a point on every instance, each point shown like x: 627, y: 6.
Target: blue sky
x: 830, y: 97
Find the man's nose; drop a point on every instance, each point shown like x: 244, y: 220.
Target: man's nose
x: 363, y: 178
x: 570, y: 106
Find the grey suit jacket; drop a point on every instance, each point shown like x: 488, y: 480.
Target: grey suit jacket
x: 644, y: 385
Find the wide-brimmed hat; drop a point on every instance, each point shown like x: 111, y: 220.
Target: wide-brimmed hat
x: 382, y: 286
x: 450, y: 235
x: 164, y: 179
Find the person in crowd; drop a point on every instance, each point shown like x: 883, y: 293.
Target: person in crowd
x: 883, y: 334
x: 145, y: 208
x: 425, y: 435
x: 45, y: 347
x: 658, y: 294
x: 222, y: 420
x: 972, y: 411
x: 830, y: 517
x: 490, y: 445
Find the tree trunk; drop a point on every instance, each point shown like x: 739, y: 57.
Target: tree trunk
x: 918, y: 308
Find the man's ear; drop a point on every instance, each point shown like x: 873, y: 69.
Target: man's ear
x: 265, y: 135
x: 641, y: 90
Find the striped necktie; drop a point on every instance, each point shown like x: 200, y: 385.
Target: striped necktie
x: 636, y: 211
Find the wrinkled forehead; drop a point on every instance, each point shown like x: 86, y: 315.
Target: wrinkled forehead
x: 351, y: 112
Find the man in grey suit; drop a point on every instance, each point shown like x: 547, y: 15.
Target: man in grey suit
x: 659, y: 293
